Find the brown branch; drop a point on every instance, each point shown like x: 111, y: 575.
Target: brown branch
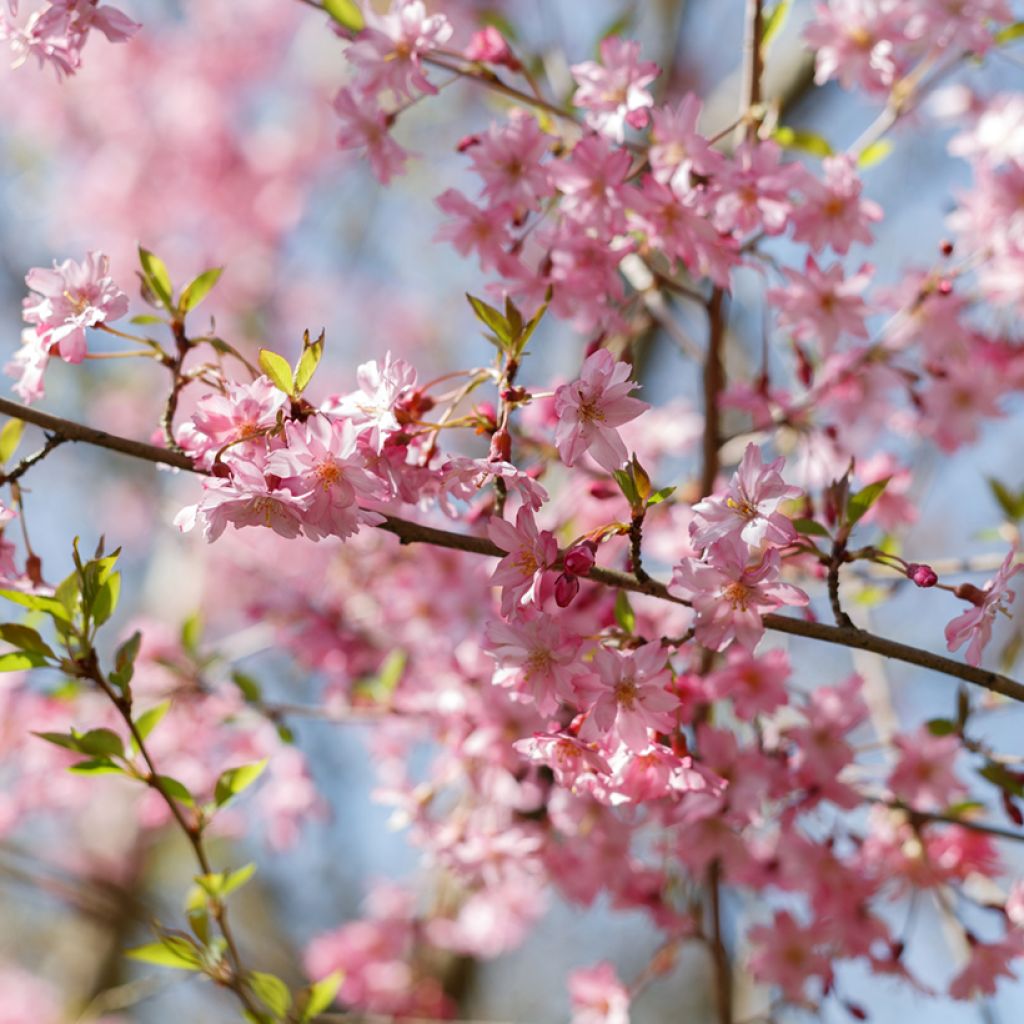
x: 52, y: 441
x: 714, y: 383
x: 416, y: 533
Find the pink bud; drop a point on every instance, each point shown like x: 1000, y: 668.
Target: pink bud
x: 489, y: 46
x: 566, y: 589
x: 580, y: 558
x: 922, y: 575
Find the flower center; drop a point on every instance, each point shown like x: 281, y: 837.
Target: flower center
x: 738, y: 595
x: 625, y: 693
x: 327, y: 473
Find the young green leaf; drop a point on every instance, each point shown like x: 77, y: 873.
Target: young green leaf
x: 346, y: 13
x: 810, y: 528
x: 149, y: 720
x: 106, y: 598
x: 319, y: 996
x: 96, y: 766
x: 271, y: 991
x: 175, y: 789
x: 124, y: 661
x: 170, y: 951
x: 10, y: 438
x: 277, y: 369
x: 26, y: 639
x: 806, y: 142
x: 15, y: 661
x: 235, y: 780
x: 248, y: 686
x: 773, y: 22
x: 859, y: 503
x: 624, y: 614
x: 198, y: 288
x: 101, y: 743
x: 308, y: 362
x: 660, y: 495
x: 157, y: 279
x: 874, y: 154
x: 492, y: 319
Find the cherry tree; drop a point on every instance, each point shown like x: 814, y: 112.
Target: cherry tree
x: 625, y: 590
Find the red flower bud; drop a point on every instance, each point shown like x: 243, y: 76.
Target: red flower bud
x: 922, y: 575
x: 580, y: 558
x: 566, y: 589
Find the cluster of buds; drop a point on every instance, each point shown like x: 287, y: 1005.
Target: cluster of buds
x: 577, y: 562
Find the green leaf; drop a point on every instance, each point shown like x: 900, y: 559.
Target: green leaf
x: 874, y: 154
x: 149, y: 720
x: 624, y: 614
x: 773, y: 22
x: 37, y: 603
x: 235, y: 780
x: 1010, y: 33
x: 170, y: 951
x: 147, y: 318
x: 234, y: 880
x: 941, y: 726
x: 124, y: 661
x: 198, y: 288
x: 106, y: 600
x: 175, y: 789
x: 805, y: 141
x: 249, y: 687
x: 96, y: 766
x: 810, y: 528
x: 191, y: 633
x: 26, y: 639
x: 69, y: 741
x: 641, y: 480
x: 277, y: 369
x: 10, y: 438
x: 308, y: 362
x: 660, y: 495
x: 1011, y: 504
x: 531, y: 326
x: 859, y: 503
x: 271, y: 991
x: 625, y: 481
x: 15, y: 661
x: 101, y: 743
x: 1003, y: 778
x: 391, y: 670
x: 319, y: 996
x: 346, y: 13
x: 157, y: 279
x: 492, y: 319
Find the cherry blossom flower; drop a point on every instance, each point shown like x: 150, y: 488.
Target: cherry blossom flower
x: 833, y: 212
x: 475, y: 229
x: 678, y: 149
x: 509, y: 160
x: 591, y: 180
x: 575, y: 764
x: 975, y: 625
x: 28, y: 365
x: 614, y: 93
x: 366, y: 127
x: 376, y: 404
x: 629, y: 695
x: 756, y: 686
x: 592, y: 407
x: 749, y: 510
x: 987, y: 963
x: 755, y: 190
x: 729, y: 596
x: 323, y: 466
x: 530, y: 554
x: 388, y: 51
x: 598, y: 997
x: 70, y: 298
x: 789, y: 955
x: 924, y: 776
x: 821, y: 305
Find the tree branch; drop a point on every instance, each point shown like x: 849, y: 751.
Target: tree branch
x: 416, y: 533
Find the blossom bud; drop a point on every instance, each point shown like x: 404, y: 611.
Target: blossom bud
x: 946, y: 247
x: 580, y: 558
x: 945, y: 287
x: 467, y: 142
x: 922, y: 575
x: 501, y: 446
x: 489, y: 46
x: 566, y: 589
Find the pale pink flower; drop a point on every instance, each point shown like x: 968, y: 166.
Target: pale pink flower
x: 576, y: 765
x: 987, y: 963
x: 28, y: 365
x: 70, y: 298
x: 243, y: 500
x: 388, y: 51
x: 614, y: 93
x: 489, y: 46
x: 924, y: 776
x: 862, y: 42
x: 375, y: 405
x: 240, y: 416
x: 749, y: 509
x: 509, y: 159
x: 598, y: 997
x: 323, y: 466
x: 591, y: 408
x: 472, y: 228
x: 536, y: 659
x: 756, y: 686
x: 822, y: 305
x: 678, y: 149
x: 833, y: 212
x: 969, y: 25
x: 975, y: 625
x: 591, y: 179
x: 27, y: 999
x: 789, y: 955
x: 530, y: 554
x: 755, y: 190
x: 629, y: 695
x: 729, y: 596
x: 366, y: 127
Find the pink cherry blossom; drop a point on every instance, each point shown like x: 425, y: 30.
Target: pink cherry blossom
x: 975, y: 625
x: 598, y: 997
x: 629, y: 695
x: 729, y: 595
x: 678, y: 149
x: 592, y: 407
x: 614, y: 93
x: 530, y: 554
x: 924, y: 776
x: 749, y: 509
x: 509, y: 158
x: 472, y: 228
x: 833, y: 212
x: 365, y: 127
x: 789, y: 955
x: 70, y: 298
